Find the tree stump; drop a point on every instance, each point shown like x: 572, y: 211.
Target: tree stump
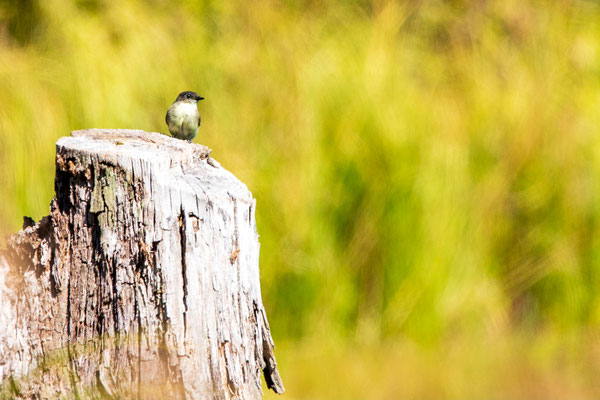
x: 142, y: 282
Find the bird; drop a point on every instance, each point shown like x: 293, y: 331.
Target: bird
x: 183, y: 117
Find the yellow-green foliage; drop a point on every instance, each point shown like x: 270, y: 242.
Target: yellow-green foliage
x: 426, y: 171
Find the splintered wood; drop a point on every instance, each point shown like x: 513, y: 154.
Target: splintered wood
x: 142, y: 282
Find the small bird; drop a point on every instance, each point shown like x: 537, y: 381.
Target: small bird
x: 183, y: 117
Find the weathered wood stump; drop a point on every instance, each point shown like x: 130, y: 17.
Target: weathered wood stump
x: 142, y: 282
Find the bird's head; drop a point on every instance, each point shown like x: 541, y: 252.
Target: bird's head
x: 189, y: 96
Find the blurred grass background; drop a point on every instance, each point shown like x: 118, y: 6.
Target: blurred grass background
x: 426, y: 171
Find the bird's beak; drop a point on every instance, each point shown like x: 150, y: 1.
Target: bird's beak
x: 200, y: 98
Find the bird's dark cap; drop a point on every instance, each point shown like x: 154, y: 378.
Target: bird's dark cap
x: 188, y: 95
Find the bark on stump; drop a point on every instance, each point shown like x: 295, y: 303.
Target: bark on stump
x: 142, y: 282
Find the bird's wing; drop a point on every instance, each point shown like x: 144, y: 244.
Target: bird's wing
x: 199, y: 120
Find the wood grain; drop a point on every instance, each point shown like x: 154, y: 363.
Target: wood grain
x: 143, y: 281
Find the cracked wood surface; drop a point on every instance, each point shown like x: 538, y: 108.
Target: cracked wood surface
x: 142, y: 282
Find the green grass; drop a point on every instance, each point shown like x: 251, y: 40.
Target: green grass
x: 551, y: 368
x: 426, y: 171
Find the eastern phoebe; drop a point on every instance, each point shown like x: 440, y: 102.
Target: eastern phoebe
x: 183, y: 117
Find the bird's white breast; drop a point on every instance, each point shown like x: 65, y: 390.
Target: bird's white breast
x: 184, y: 110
